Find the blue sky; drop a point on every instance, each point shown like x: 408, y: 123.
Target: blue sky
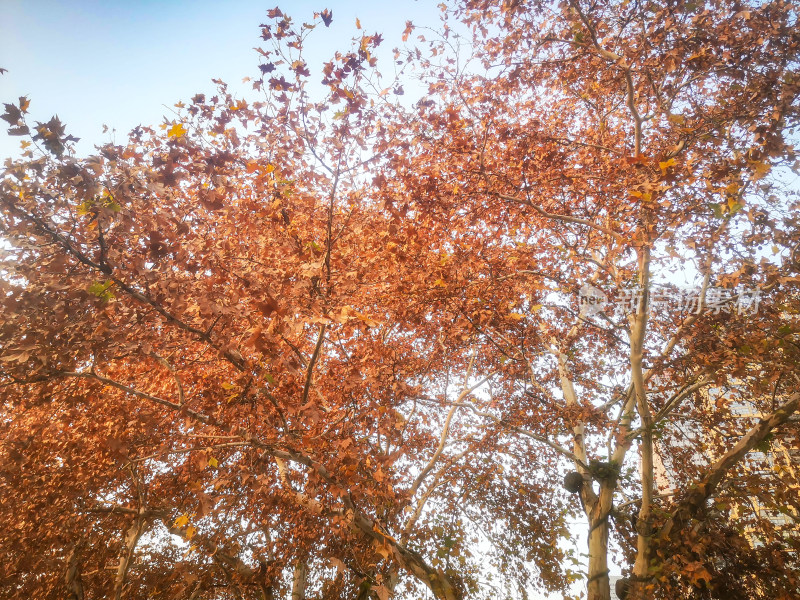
x: 119, y: 63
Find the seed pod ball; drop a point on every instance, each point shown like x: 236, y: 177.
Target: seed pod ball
x: 573, y: 482
x: 622, y: 588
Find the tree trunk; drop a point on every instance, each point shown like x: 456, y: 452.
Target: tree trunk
x: 598, y: 586
x: 299, y: 581
x: 132, y: 536
x: 638, y: 323
x: 72, y: 578
x: 644, y: 523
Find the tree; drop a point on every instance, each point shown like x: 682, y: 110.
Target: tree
x: 202, y: 339
x: 597, y: 147
x: 335, y: 345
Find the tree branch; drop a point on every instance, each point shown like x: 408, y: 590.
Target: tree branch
x: 312, y: 362
x: 701, y: 491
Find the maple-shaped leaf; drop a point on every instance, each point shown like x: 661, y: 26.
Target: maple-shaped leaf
x: 267, y: 68
x: 182, y: 521
x: 327, y: 17
x: 279, y: 84
x: 665, y: 165
x: 176, y: 131
x: 102, y: 290
x: 299, y: 67
x: 369, y: 322
x: 407, y: 31
x: 12, y: 115
x: 51, y: 134
x: 760, y: 170
x: 55, y: 126
x: 382, y: 592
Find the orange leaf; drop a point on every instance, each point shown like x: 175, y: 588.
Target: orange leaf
x: 176, y: 131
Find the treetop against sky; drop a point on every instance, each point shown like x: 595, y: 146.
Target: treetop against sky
x: 123, y: 64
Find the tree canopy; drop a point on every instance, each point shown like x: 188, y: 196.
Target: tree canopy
x: 330, y: 342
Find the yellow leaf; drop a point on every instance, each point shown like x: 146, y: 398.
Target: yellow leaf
x: 676, y: 119
x: 182, y: 521
x: 84, y: 208
x: 440, y: 283
x: 365, y: 319
x: 213, y: 462
x: 269, y: 168
x: 358, y: 23
x: 760, y: 170
x: 536, y: 307
x: 734, y: 206
x: 666, y: 165
x: 190, y: 531
x: 516, y: 316
x: 177, y: 130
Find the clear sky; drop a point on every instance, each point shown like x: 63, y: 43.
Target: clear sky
x: 119, y: 62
